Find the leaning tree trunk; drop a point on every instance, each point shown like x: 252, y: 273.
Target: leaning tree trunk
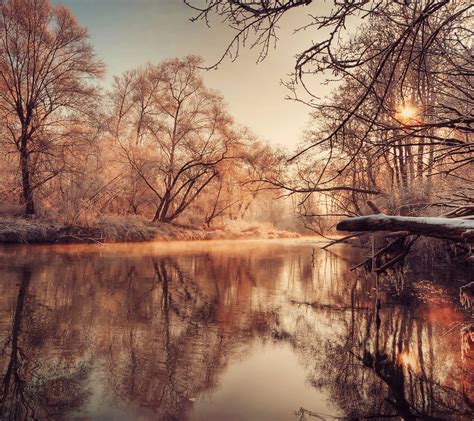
x: 456, y: 229
x: 161, y: 214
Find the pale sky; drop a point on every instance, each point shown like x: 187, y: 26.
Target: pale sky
x: 129, y: 33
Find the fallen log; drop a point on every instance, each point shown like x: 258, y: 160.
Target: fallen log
x: 456, y: 229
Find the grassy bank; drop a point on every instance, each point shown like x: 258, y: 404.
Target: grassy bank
x: 125, y: 229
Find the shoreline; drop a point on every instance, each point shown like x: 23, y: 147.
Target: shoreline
x: 21, y: 231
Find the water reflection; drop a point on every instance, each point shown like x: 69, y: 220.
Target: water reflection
x: 243, y: 330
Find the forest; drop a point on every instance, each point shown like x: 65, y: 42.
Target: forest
x: 158, y: 145
x: 161, y: 146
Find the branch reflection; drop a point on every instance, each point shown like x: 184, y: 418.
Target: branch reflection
x: 147, y: 334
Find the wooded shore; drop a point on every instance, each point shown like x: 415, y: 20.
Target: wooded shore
x: 127, y: 229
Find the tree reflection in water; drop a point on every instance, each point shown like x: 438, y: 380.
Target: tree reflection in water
x: 32, y: 386
x: 145, y: 332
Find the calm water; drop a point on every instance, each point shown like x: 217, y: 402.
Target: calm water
x: 225, y: 331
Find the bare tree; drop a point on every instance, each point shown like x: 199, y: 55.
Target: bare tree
x: 46, y: 69
x: 401, y: 54
x: 402, y: 110
x: 172, y: 131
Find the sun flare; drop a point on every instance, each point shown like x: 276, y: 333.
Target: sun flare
x: 407, y: 112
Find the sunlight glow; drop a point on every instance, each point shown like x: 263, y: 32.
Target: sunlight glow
x: 407, y: 112
x: 409, y: 360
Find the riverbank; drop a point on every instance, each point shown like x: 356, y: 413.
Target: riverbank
x: 126, y: 229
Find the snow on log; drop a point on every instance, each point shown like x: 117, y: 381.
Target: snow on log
x: 456, y: 229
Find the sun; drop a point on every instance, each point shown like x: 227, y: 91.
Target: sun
x: 407, y: 112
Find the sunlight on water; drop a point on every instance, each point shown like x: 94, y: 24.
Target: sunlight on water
x: 409, y: 360
x: 250, y: 330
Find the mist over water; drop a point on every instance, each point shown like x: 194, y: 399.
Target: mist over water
x: 250, y: 330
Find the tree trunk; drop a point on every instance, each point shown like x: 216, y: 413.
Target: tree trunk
x: 431, y: 156
x: 410, y: 164
x: 161, y: 214
x: 419, y: 162
x: 26, y: 180
x: 456, y: 229
x: 402, y: 165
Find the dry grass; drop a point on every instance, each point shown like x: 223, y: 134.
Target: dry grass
x: 19, y: 230
x: 126, y: 229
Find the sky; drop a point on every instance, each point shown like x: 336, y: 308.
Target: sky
x: 130, y: 33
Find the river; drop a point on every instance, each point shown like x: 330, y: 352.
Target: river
x: 227, y: 330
